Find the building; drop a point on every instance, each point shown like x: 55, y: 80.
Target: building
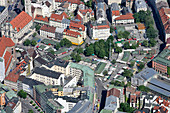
x: 125, y: 19
x: 165, y: 15
x: 39, y: 19
x: 162, y: 4
x: 67, y: 103
x: 160, y: 86
x: 115, y: 92
x: 47, y: 31
x: 140, y: 5
x: 82, y: 107
x: 112, y: 103
x: 43, y: 8
x: 45, y: 99
x: 161, y: 63
x: 114, y: 12
x: 86, y: 15
x: 70, y: 5
x: 101, y: 11
x: 47, y: 77
x: 109, y: 2
x: 3, y: 14
x: 56, y: 19
x: 143, y: 77
x: 3, y: 3
x: 59, y: 33
x: 10, y: 103
x: 78, y: 28
x: 75, y: 37
x: 7, y: 55
x: 60, y: 66
x: 141, y: 27
x: 17, y: 27
x: 27, y: 84
x: 99, y: 30
x: 11, y: 79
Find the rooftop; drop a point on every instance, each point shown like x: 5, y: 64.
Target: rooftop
x: 146, y: 74
x: 115, y: 92
x: 45, y: 72
x: 162, y: 58
x: 125, y: 17
x: 41, y: 18
x: 48, y: 28
x: 20, y: 21
x: 72, y: 33
x: 58, y: 62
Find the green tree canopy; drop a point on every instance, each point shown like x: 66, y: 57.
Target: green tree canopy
x: 27, y: 42
x: 126, y: 45
x: 30, y: 111
x: 22, y: 94
x: 37, y: 27
x: 145, y: 43
x: 113, y: 61
x: 152, y: 42
x: 33, y: 42
x: 57, y: 46
x: 34, y: 34
x: 89, y: 50
x: 105, y: 72
x: 143, y: 88
x: 118, y: 49
x: 127, y: 73
x: 125, y: 107
x: 80, y: 50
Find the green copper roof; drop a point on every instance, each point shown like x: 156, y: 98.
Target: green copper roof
x: 162, y: 58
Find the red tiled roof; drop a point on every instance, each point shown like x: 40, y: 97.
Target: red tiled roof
x: 137, y: 93
x: 83, y: 12
x: 70, y: 1
x: 102, y: 27
x: 20, y: 21
x: 14, y: 75
x: 77, y: 26
x: 48, y: 28
x: 4, y: 43
x: 125, y: 17
x: 133, y: 97
x: 7, y: 57
x: 57, y: 17
x: 41, y: 18
x: 79, y: 18
x: 155, y: 107
x: 72, y: 33
x: 116, y: 13
x: 114, y: 92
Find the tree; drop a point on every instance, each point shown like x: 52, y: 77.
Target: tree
x: 52, y: 52
x: 151, y: 32
x: 111, y: 29
x: 111, y: 38
x: 89, y: 51
x: 145, y: 43
x: 126, y: 34
x: 67, y: 42
x: 80, y: 50
x: 152, y: 42
x: 34, y: 34
x: 143, y: 88
x: 126, y: 45
x: 133, y: 46
x: 105, y: 72
x: 118, y: 49
x: 132, y: 64
x: 77, y: 58
x: 119, y: 35
x: 22, y: 94
x: 62, y: 43
x: 27, y: 42
x: 33, y: 43
x: 57, y: 46
x: 168, y: 70
x: 30, y: 111
x: 73, y: 55
x: 37, y: 27
x: 127, y: 73
x: 141, y: 65
x: 125, y: 107
x: 101, y: 53
x: 113, y: 61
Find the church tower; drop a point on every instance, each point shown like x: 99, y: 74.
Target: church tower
x: 28, y: 7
